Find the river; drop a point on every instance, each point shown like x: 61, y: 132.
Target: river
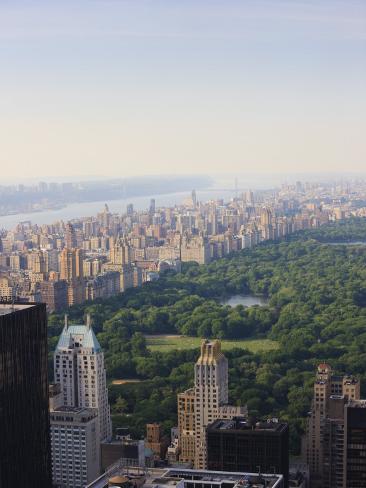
x: 89, y: 209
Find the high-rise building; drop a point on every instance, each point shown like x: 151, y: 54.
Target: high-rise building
x: 156, y: 441
x: 70, y: 236
x: 186, y: 426
x: 72, y: 270
x: 124, y: 476
x: 266, y: 216
x: 355, y: 444
x: 79, y: 368
x: 54, y: 295
x: 24, y: 423
x: 325, y: 423
x: 75, y: 442
x: 120, y: 253
x: 194, y: 198
x: 195, y: 248
x: 333, y: 443
x: 209, y: 402
x: 71, y: 264
x: 152, y: 206
x: 240, y: 445
x: 130, y: 209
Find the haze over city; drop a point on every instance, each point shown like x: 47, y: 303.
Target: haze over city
x: 183, y: 243
x: 122, y: 88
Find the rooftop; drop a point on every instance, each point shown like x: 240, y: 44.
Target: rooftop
x: 182, y: 478
x: 243, y: 425
x: 72, y: 414
x: 78, y: 336
x: 8, y: 307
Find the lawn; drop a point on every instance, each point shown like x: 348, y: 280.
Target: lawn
x: 165, y: 343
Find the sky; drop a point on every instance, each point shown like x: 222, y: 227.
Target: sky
x: 138, y: 87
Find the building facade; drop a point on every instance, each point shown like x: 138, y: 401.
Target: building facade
x: 355, y: 444
x: 205, y: 403
x: 79, y: 369
x: 75, y: 446
x: 55, y: 295
x: 240, y: 445
x: 324, y: 441
x: 24, y: 423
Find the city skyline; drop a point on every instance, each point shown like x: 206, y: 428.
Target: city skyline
x: 130, y: 88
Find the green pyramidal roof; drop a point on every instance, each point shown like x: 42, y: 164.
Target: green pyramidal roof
x: 81, y: 334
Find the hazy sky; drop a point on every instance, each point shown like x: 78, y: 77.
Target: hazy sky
x: 127, y: 87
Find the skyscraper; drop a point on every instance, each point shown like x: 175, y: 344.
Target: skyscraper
x: 355, y: 444
x: 24, y: 423
x: 71, y: 270
x: 54, y: 295
x: 79, y: 368
x: 152, y: 206
x: 240, y: 445
x: 194, y: 198
x: 325, y: 426
x: 203, y: 404
x: 75, y: 442
x: 120, y: 252
x: 70, y: 236
x: 71, y: 264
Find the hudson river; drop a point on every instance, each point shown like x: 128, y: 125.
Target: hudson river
x: 89, y: 209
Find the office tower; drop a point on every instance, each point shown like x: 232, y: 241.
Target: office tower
x: 326, y: 385
x: 152, y: 206
x: 355, y: 444
x: 75, y: 444
x: 194, y: 199
x: 24, y: 424
x: 333, y: 443
x: 130, y: 209
x: 70, y: 236
x: 79, y: 368
x: 210, y: 394
x: 239, y: 445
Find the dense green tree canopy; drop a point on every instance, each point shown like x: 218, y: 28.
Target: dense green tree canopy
x: 316, y: 311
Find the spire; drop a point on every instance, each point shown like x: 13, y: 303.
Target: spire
x: 88, y: 321
x: 66, y: 321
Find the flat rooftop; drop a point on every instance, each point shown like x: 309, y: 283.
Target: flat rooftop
x: 71, y: 414
x: 243, y: 425
x: 8, y: 308
x: 188, y: 478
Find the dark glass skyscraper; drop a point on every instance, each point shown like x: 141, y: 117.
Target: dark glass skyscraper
x: 241, y: 446
x: 355, y: 444
x: 24, y: 421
